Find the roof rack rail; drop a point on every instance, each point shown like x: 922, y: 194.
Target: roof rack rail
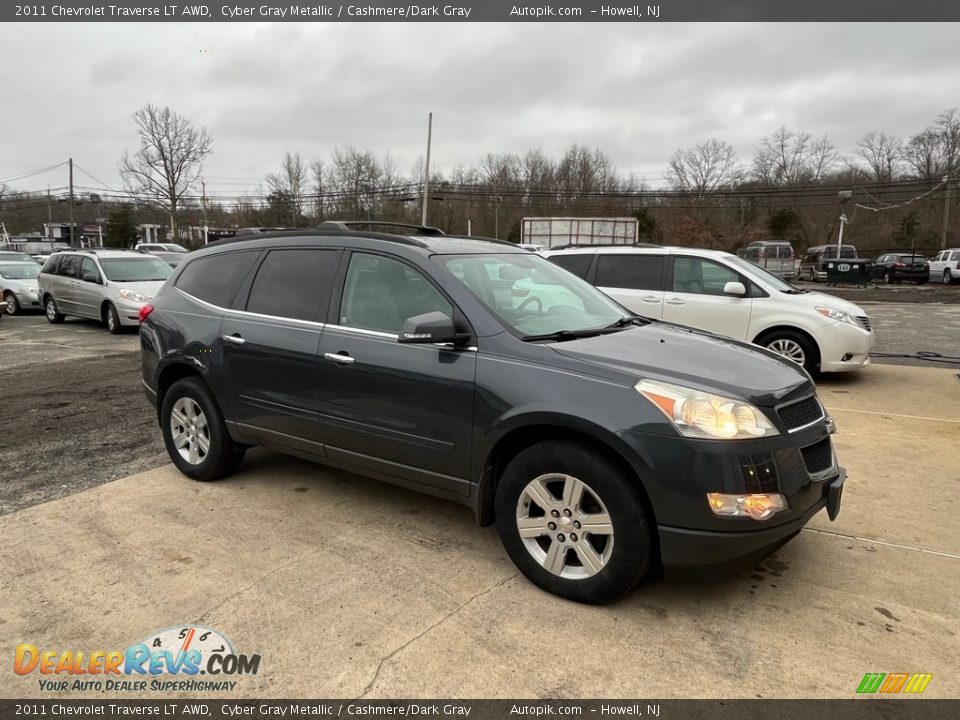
x: 484, y: 239
x: 593, y: 245
x: 331, y: 230
x: 351, y: 225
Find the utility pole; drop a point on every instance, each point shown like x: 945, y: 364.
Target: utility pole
x: 49, y: 219
x: 946, y: 214
x: 203, y: 202
x: 72, y: 230
x: 426, y: 171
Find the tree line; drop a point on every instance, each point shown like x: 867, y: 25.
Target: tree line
x: 893, y: 191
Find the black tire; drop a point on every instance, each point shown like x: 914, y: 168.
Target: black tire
x: 780, y: 339
x: 947, y: 277
x: 922, y: 281
x: 631, y: 553
x: 223, y: 455
x: 112, y: 320
x: 13, y: 307
x: 54, y: 316
x: 888, y: 278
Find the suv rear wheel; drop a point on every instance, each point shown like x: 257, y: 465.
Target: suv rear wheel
x: 947, y: 277
x: 573, y: 522
x: 53, y: 313
x: 194, y: 432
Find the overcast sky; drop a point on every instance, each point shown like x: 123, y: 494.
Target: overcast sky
x: 637, y: 91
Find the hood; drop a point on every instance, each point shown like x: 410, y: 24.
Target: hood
x: 693, y: 358
x: 819, y: 299
x: 147, y: 289
x: 19, y: 285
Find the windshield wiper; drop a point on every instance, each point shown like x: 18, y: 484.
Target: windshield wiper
x: 794, y: 291
x: 561, y: 335
x: 628, y: 320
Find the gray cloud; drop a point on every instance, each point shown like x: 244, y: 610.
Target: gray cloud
x: 637, y: 91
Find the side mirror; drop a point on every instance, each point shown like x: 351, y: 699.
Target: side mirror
x: 90, y: 278
x: 432, y: 327
x: 734, y: 288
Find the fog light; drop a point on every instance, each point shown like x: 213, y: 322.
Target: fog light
x: 759, y: 507
x: 847, y: 357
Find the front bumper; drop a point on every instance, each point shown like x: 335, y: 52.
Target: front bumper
x: 704, y: 554
x: 129, y: 312
x: 844, y: 347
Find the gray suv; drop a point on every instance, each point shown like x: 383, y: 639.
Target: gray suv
x: 107, y: 285
x: 601, y: 444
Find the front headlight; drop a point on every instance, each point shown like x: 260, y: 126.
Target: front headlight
x: 838, y: 315
x: 699, y: 414
x: 132, y: 296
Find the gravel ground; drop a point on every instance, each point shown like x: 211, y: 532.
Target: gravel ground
x: 70, y: 422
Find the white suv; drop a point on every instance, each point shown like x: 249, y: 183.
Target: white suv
x: 727, y: 295
x: 945, y: 266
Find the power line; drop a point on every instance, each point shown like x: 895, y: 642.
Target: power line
x: 34, y: 172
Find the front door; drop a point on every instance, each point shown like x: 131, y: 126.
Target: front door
x: 696, y: 297
x: 404, y: 410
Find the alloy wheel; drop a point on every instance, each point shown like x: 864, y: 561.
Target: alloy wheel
x: 790, y: 349
x: 565, y: 526
x: 189, y: 430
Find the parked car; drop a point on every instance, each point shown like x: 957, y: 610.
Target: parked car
x: 600, y: 443
x: 16, y: 256
x: 170, y: 258
x: 813, y: 266
x: 160, y: 247
x: 945, y: 266
x: 106, y: 285
x: 730, y: 296
x: 532, y: 247
x: 18, y: 286
x: 893, y: 267
x: 774, y: 256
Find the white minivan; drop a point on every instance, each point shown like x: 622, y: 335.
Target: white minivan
x: 728, y: 295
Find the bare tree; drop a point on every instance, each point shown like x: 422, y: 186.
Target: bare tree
x: 356, y: 175
x: 823, y: 157
x: 704, y: 168
x: 168, y: 162
x: 290, y: 181
x: 880, y: 155
x: 318, y: 175
x: 935, y: 152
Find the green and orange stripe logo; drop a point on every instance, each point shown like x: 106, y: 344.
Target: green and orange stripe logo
x: 892, y: 683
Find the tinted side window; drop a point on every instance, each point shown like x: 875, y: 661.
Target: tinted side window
x: 702, y: 277
x: 956, y: 256
x: 69, y: 266
x: 380, y: 293
x: 217, y: 278
x: 577, y: 264
x: 632, y: 272
x: 88, y: 269
x: 293, y: 284
x: 50, y: 267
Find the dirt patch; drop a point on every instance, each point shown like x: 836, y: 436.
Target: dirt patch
x: 71, y: 425
x: 902, y: 293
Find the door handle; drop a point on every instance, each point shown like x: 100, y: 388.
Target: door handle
x: 234, y: 339
x: 650, y: 299
x: 675, y: 301
x: 341, y: 358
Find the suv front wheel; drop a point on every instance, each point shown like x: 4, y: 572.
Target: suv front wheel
x: 195, y: 434
x: 573, y: 522
x: 53, y: 313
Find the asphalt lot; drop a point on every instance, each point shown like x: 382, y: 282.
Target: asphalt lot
x: 348, y: 587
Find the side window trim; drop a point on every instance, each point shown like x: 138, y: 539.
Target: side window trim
x: 747, y: 283
x: 242, y: 299
x: 244, y: 283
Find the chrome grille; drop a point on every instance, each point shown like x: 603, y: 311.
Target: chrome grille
x: 864, y: 322
x: 801, y: 413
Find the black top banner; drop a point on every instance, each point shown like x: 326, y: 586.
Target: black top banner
x: 485, y: 11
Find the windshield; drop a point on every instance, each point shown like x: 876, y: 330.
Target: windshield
x: 16, y: 257
x: 19, y: 272
x: 531, y: 295
x: 757, y: 272
x: 139, y: 269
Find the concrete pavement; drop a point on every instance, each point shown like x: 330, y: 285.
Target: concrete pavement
x: 347, y: 587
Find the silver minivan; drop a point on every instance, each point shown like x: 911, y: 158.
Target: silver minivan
x: 106, y: 285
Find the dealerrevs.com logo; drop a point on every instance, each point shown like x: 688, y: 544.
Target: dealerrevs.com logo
x: 188, y: 658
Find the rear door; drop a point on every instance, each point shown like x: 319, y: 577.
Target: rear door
x: 634, y: 280
x: 696, y: 297
x: 270, y: 343
x: 404, y: 410
x: 65, y: 284
x: 88, y: 290
x: 938, y: 264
